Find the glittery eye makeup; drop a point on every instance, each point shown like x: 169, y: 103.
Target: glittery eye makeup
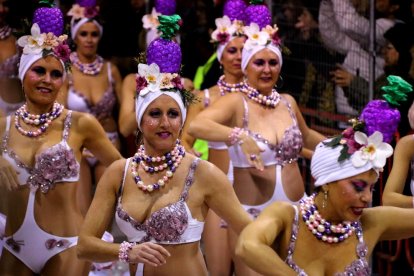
x: 360, y: 186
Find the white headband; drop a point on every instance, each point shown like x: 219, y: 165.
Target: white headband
x: 142, y: 102
x: 26, y: 60
x: 247, y: 54
x: 326, y: 168
x: 75, y: 25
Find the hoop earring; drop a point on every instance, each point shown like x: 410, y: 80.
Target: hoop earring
x: 325, y: 199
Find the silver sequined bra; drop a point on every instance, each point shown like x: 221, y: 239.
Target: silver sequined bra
x: 52, y: 165
x: 172, y: 224
x: 285, y: 152
x: 359, y: 267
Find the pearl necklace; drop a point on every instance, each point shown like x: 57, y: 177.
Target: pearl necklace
x: 41, y: 121
x: 171, y: 160
x: 322, y: 229
x: 92, y: 69
x: 5, y: 32
x: 267, y: 101
x: 226, y: 87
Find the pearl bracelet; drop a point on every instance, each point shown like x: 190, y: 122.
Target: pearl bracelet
x: 124, y: 249
x: 235, y: 135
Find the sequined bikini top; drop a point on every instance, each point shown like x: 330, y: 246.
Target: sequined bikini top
x: 358, y: 267
x: 52, y: 165
x: 172, y: 224
x: 102, y: 109
x: 285, y: 152
x: 9, y: 67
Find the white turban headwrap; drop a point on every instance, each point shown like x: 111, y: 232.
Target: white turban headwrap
x: 326, y: 168
x: 75, y: 25
x: 248, y: 53
x: 142, y: 102
x: 26, y: 60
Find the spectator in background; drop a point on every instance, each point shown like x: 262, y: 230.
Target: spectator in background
x: 345, y: 29
x: 398, y: 59
x: 310, y: 57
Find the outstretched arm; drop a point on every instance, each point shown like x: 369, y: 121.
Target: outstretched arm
x: 393, y: 192
x: 220, y: 196
x: 127, y: 122
x: 254, y: 243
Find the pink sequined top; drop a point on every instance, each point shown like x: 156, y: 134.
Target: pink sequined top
x: 9, y: 67
x: 102, y: 109
x: 172, y: 224
x: 358, y: 267
x: 52, y: 165
x: 286, y: 151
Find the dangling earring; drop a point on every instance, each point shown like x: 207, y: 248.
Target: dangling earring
x: 221, y: 67
x: 279, y: 83
x: 138, y: 137
x: 325, y: 199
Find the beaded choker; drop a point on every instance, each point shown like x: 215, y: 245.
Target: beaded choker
x: 266, y: 101
x: 322, y: 229
x: 226, y: 87
x: 40, y: 121
x: 92, y: 69
x: 169, y: 162
x: 5, y: 32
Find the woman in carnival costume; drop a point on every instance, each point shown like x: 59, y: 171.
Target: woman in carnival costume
x: 306, y: 239
x: 265, y: 131
x: 40, y: 160
x: 11, y: 94
x: 127, y: 124
x: 93, y: 87
x: 229, y: 40
x: 160, y: 197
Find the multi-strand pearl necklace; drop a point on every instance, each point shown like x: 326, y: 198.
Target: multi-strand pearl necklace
x: 323, y: 229
x: 226, y: 87
x: 92, y: 69
x: 267, y: 101
x: 169, y: 162
x: 41, y: 121
x: 5, y: 32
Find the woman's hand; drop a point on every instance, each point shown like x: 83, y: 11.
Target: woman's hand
x: 341, y: 76
x: 8, y: 176
x: 251, y: 150
x: 148, y: 253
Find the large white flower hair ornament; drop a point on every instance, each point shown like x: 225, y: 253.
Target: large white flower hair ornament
x: 150, y: 21
x: 149, y: 78
x: 256, y: 37
x: 32, y: 44
x: 225, y: 29
x: 373, y: 150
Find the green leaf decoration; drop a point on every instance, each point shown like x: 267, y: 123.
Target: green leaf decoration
x: 344, y: 154
x: 47, y: 3
x: 334, y: 142
x: 256, y: 2
x: 169, y: 25
x: 396, y: 90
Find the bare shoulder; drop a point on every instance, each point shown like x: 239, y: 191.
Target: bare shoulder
x: 289, y: 98
x: 130, y: 78
x: 280, y: 210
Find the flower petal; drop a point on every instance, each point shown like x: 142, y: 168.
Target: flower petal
x: 142, y: 69
x: 376, y: 138
x: 358, y: 159
x: 361, y: 138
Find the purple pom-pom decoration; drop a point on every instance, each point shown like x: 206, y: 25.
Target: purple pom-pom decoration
x: 86, y: 3
x: 165, y: 53
x: 165, y: 7
x: 378, y: 115
x: 235, y: 10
